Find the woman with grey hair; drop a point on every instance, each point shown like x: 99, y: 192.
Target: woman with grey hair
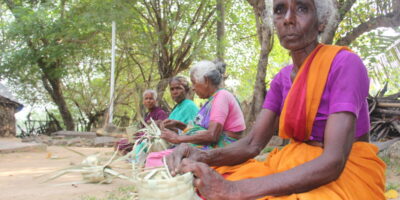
x: 154, y: 112
x: 320, y: 102
x: 219, y: 122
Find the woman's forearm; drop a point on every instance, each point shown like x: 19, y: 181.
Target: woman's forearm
x: 201, y: 137
x: 235, y: 153
x: 339, y: 134
x: 208, y: 136
x: 248, y: 147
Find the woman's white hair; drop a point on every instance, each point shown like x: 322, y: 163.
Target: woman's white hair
x: 206, y: 69
x: 153, y: 92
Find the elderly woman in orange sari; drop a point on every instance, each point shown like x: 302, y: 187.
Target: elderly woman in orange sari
x: 320, y: 102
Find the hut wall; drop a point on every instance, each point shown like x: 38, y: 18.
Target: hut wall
x: 7, y: 118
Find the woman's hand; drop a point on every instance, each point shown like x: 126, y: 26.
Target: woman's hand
x: 211, y: 185
x: 171, y: 124
x: 170, y: 136
x: 167, y: 123
x: 181, y: 152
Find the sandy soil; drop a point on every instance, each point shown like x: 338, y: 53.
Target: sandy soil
x: 18, y: 172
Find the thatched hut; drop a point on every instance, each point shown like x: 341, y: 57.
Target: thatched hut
x: 8, y: 107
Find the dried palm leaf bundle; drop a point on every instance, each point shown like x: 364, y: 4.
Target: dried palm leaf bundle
x: 152, y: 136
x: 92, y: 170
x: 150, y: 141
x: 96, y: 175
x: 158, y: 184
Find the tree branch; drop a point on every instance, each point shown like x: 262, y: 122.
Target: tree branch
x: 138, y: 63
x: 194, y: 21
x: 389, y: 20
x: 151, y: 18
x: 10, y: 4
x: 185, y: 47
x: 62, y: 5
x: 344, y: 7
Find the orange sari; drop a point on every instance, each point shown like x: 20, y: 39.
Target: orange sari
x: 363, y: 176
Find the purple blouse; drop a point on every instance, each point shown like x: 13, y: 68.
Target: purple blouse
x: 156, y: 114
x: 346, y: 90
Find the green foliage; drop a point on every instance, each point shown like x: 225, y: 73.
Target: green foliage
x: 241, y: 48
x: 361, y: 12
x: 372, y: 43
x: 71, y: 43
x: 41, y: 34
x: 382, y: 62
x: 49, y: 40
x: 278, y: 58
x: 74, y: 40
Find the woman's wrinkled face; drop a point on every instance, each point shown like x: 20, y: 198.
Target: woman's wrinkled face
x: 149, y: 101
x: 296, y: 23
x: 201, y: 89
x: 178, y: 92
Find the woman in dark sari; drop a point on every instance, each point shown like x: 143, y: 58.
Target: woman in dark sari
x: 154, y: 112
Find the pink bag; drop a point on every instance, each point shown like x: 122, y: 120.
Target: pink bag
x: 154, y: 159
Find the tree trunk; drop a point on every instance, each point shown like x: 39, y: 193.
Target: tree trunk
x: 161, y: 86
x: 53, y: 87
x: 328, y: 39
x: 221, y: 35
x: 265, y: 34
x: 343, y: 8
x: 51, y: 84
x: 221, y: 30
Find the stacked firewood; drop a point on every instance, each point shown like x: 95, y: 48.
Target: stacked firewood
x: 385, y: 117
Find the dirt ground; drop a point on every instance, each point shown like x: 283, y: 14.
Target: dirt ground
x: 18, y: 172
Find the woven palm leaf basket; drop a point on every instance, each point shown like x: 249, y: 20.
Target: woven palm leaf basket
x: 158, y: 184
